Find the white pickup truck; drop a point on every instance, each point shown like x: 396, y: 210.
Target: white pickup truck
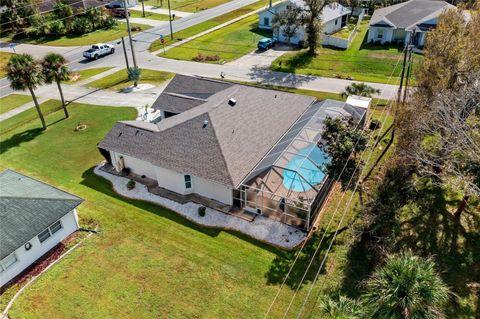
x: 98, y: 50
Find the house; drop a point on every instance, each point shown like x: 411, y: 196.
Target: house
x: 334, y: 17
x: 243, y: 147
x: 397, y: 23
x: 34, y: 218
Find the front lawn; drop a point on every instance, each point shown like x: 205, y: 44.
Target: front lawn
x: 147, y: 262
x: 29, y: 115
x: 362, y: 61
x: 149, y: 15
x: 4, y: 57
x: 206, y: 25
x: 87, y: 73
x: 119, y: 80
x: 226, y: 44
x: 99, y: 36
x: 12, y: 101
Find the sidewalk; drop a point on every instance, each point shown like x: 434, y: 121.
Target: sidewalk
x: 147, y: 21
x: 21, y: 108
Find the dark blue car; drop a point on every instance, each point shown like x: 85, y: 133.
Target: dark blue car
x: 265, y: 44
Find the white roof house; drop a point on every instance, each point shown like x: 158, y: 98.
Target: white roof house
x: 34, y: 218
x: 396, y: 23
x: 334, y: 17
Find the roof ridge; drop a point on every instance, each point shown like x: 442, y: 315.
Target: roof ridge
x: 184, y: 96
x: 44, y: 198
x: 41, y: 182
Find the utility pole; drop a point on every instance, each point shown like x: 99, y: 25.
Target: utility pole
x: 170, y: 18
x: 130, y: 34
x: 125, y: 53
x: 143, y: 8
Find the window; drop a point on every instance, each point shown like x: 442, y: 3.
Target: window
x: 188, y: 181
x: 7, y: 262
x: 266, y: 21
x: 55, y: 227
x: 44, y: 235
x: 336, y: 21
x: 380, y: 33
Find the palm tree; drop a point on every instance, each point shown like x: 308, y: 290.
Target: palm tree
x: 407, y: 286
x: 360, y: 89
x: 55, y: 69
x: 24, y: 72
x: 341, y: 307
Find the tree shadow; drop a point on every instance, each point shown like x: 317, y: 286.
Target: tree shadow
x: 282, y: 264
x: 100, y: 184
x: 297, y: 61
x: 19, y: 138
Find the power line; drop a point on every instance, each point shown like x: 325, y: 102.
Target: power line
x: 343, y: 195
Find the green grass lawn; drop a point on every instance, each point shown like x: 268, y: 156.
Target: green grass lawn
x: 29, y: 115
x: 149, y: 15
x: 87, y: 73
x: 98, y: 36
x: 188, y: 32
x: 228, y: 43
x: 119, y: 79
x: 186, y: 5
x: 12, y: 101
x: 362, y: 61
x: 4, y: 57
x: 147, y: 262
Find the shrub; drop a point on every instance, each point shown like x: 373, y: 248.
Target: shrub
x: 131, y: 184
x: 198, y: 58
x: 109, y: 22
x: 214, y: 57
x: 136, y: 28
x: 126, y: 171
x: 201, y: 211
x: 81, y: 25
x: 56, y: 27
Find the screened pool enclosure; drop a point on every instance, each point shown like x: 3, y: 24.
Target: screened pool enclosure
x: 290, y: 183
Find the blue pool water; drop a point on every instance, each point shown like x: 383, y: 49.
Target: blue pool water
x: 311, y: 172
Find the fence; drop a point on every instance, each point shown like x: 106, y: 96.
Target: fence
x: 333, y: 41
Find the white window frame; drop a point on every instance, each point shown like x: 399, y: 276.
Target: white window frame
x: 4, y: 267
x: 50, y: 230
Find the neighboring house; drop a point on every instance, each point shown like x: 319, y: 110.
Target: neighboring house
x: 397, y: 23
x: 243, y: 147
x: 49, y: 5
x: 34, y: 217
x: 334, y: 17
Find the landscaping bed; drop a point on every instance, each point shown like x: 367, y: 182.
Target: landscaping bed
x: 4, y: 57
x: 77, y: 76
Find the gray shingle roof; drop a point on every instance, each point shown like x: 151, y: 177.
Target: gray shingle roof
x: 185, y: 92
x: 407, y: 14
x: 27, y: 207
x: 235, y: 139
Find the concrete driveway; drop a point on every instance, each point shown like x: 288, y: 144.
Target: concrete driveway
x: 261, y: 59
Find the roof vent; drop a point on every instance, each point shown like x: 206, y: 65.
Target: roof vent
x: 232, y: 102
x: 205, y: 123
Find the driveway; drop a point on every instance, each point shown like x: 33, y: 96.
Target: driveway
x: 261, y: 59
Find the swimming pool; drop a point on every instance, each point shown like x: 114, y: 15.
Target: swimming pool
x: 310, y: 171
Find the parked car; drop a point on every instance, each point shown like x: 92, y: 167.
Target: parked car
x: 265, y: 44
x: 98, y: 50
x: 117, y: 12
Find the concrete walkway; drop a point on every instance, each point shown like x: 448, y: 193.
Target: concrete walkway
x: 20, y: 109
x: 153, y: 9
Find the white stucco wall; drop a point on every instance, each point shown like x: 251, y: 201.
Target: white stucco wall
x: 26, y: 257
x: 136, y: 166
x: 373, y: 32
x: 330, y: 26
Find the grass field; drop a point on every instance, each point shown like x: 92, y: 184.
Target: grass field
x: 186, y: 5
x: 4, y: 57
x: 119, y: 80
x: 362, y: 61
x: 29, y: 115
x: 188, y: 32
x: 228, y: 43
x: 87, y: 73
x: 147, y: 261
x: 149, y: 15
x: 99, y: 36
x: 13, y: 101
